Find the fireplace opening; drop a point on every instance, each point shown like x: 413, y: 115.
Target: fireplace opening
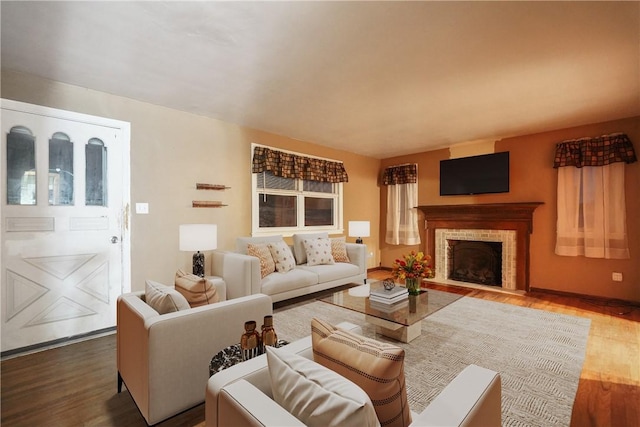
x: 475, y: 262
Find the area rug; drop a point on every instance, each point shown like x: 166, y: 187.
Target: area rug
x: 539, y: 354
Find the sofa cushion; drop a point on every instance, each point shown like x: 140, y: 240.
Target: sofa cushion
x: 164, y: 299
x: 294, y: 279
x: 243, y: 242
x: 282, y: 256
x: 328, y: 273
x: 298, y: 244
x: 316, y: 395
x: 262, y: 252
x: 339, y: 250
x: 197, y: 290
x: 378, y: 368
x: 318, y: 251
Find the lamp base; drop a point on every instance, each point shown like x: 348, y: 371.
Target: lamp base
x: 359, y: 240
x: 198, y: 264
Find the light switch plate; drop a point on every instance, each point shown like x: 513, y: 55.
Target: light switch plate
x: 142, y: 208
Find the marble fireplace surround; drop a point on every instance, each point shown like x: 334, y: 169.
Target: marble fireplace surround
x: 483, y: 222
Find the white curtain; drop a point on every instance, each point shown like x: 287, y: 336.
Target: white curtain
x: 591, y: 212
x: 402, y: 214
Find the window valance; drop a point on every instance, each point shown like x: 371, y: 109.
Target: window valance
x: 402, y: 174
x: 597, y: 151
x: 289, y: 165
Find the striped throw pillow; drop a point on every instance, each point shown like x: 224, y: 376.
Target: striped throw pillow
x: 378, y: 368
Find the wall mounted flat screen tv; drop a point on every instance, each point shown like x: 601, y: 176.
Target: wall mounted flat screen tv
x: 488, y: 173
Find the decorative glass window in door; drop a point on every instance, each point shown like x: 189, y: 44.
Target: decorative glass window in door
x: 60, y: 170
x: 21, y: 166
x: 96, y: 173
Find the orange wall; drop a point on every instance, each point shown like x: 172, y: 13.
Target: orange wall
x: 533, y: 179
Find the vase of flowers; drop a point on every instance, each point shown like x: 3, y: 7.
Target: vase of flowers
x: 412, y: 268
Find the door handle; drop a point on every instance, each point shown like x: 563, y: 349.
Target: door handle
x: 114, y: 239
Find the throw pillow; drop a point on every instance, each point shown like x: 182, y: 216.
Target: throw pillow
x: 261, y: 250
x: 339, y: 250
x: 164, y: 299
x: 282, y: 256
x: 378, y: 368
x: 318, y: 251
x: 298, y: 244
x: 243, y: 242
x: 316, y: 395
x: 197, y: 290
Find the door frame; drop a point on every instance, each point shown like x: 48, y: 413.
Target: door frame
x: 125, y: 131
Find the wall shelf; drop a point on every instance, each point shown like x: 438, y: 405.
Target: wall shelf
x: 202, y: 186
x: 207, y: 204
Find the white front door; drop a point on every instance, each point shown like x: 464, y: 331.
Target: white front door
x: 65, y: 252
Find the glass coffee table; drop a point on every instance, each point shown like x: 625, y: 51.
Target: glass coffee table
x: 402, y: 321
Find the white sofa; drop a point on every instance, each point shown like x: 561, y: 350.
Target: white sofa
x: 241, y: 272
x: 242, y: 396
x: 164, y: 359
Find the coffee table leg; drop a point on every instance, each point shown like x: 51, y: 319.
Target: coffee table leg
x: 396, y: 331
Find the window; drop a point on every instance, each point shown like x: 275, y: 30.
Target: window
x: 289, y: 205
x: 591, y: 206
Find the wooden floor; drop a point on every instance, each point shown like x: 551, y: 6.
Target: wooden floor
x: 75, y: 385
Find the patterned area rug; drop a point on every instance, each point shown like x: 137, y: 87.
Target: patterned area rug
x: 538, y: 354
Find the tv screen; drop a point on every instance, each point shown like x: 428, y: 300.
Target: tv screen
x: 488, y: 173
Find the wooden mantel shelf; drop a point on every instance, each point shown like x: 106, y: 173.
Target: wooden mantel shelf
x: 493, y: 216
x: 482, y: 212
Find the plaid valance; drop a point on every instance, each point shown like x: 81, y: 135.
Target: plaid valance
x: 403, y: 174
x: 598, y: 151
x: 288, y: 165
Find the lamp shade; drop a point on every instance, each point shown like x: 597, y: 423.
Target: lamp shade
x: 198, y: 237
x: 359, y: 229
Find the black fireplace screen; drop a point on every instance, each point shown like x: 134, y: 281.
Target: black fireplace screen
x: 475, y: 262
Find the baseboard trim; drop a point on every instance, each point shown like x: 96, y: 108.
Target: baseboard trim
x: 602, y: 300
x: 55, y: 343
x: 380, y: 268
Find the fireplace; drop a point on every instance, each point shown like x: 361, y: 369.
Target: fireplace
x: 508, y: 224
x: 489, y: 249
x: 475, y: 262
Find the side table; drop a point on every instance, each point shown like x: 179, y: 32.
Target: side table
x: 230, y: 356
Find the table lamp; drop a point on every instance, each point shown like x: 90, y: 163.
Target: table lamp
x: 198, y: 237
x: 359, y: 229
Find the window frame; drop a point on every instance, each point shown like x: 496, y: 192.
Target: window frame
x: 300, y: 194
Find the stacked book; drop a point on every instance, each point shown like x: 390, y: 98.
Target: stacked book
x: 388, y: 300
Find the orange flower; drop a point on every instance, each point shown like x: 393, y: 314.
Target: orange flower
x: 413, y: 265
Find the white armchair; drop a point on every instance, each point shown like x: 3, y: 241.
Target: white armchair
x: 164, y: 359
x: 242, y: 396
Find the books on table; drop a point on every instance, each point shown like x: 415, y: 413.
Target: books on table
x: 389, y: 308
x: 389, y: 296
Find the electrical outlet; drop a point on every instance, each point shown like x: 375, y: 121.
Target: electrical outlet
x: 370, y: 254
x: 616, y: 277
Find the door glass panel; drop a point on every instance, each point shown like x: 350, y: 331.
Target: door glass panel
x: 96, y: 173
x: 21, y: 167
x: 60, y: 170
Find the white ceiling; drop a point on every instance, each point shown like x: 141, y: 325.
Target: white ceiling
x: 375, y: 78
